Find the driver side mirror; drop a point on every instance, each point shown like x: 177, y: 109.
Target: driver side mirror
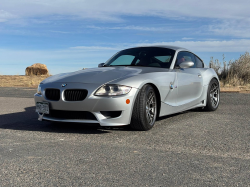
x: 101, y: 65
x: 186, y: 64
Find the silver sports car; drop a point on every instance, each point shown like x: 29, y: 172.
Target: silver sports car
x: 133, y: 87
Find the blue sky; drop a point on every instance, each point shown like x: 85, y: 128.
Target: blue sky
x: 71, y: 35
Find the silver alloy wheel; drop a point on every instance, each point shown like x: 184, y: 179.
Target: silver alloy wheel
x: 151, y: 108
x: 214, y: 95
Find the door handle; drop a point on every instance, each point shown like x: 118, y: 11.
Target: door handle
x: 199, y: 75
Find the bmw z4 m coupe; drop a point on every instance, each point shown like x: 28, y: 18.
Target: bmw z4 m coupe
x: 133, y: 87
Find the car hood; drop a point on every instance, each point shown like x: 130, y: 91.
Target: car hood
x: 101, y: 75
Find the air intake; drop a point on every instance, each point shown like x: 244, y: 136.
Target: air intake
x: 52, y: 94
x: 75, y: 95
x: 63, y: 114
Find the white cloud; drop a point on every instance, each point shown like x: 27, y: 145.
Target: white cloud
x: 240, y: 45
x: 61, y: 32
x: 230, y: 17
x: 111, y: 10
x: 185, y: 38
x: 232, y: 27
x: 131, y: 27
x: 94, y: 48
x: 211, y: 45
x: 5, y: 16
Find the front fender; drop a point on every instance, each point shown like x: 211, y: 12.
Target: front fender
x: 208, y: 74
x: 161, y: 80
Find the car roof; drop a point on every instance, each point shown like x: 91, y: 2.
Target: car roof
x: 176, y: 48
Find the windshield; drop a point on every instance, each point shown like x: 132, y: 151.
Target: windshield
x: 143, y: 56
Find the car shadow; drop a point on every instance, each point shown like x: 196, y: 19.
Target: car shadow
x: 195, y: 110
x: 27, y: 121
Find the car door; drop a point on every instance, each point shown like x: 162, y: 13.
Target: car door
x: 190, y: 83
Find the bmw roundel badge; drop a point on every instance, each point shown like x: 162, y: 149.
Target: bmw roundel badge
x: 63, y: 85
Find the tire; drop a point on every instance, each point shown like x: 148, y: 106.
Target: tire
x: 145, y: 109
x: 213, y: 96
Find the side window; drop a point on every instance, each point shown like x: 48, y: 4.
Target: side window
x: 163, y: 59
x: 199, y: 63
x: 185, y: 56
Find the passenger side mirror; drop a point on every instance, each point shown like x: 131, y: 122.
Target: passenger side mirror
x: 186, y: 64
x: 101, y: 65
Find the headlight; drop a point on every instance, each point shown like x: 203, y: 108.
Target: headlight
x: 39, y: 89
x: 112, y: 89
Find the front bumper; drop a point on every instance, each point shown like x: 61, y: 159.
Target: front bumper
x: 92, y: 103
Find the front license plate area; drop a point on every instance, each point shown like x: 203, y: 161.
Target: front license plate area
x: 42, y: 107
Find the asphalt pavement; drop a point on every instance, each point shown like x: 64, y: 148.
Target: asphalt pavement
x: 192, y: 148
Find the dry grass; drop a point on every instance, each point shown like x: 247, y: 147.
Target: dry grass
x: 21, y: 80
x: 234, y: 73
x: 237, y: 89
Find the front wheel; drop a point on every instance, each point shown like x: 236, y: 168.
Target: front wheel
x: 213, y: 95
x: 145, y: 109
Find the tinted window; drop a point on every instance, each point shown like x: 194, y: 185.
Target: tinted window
x: 199, y: 63
x: 184, y: 56
x: 124, y: 60
x: 143, y: 56
x: 163, y: 59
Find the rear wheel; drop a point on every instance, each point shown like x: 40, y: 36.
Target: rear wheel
x: 145, y: 109
x: 213, y: 95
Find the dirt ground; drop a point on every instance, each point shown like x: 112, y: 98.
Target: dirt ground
x: 33, y: 81
x: 21, y: 80
x: 235, y: 89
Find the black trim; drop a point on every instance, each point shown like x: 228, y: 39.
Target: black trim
x: 75, y: 95
x: 65, y: 114
x: 52, y: 94
x: 111, y: 114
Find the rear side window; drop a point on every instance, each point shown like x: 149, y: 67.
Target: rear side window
x: 185, y: 56
x: 199, y: 63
